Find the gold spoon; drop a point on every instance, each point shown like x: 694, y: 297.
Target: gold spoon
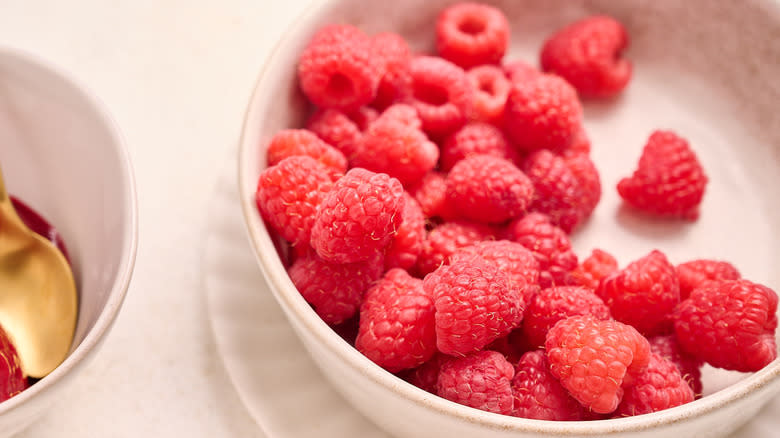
x: 38, y: 300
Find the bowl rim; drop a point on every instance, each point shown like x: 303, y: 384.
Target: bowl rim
x: 296, y: 307
x: 121, y: 282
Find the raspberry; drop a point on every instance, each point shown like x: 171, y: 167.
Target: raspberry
x: 474, y: 139
x: 689, y: 367
x: 697, y: 272
x: 488, y: 189
x: 426, y: 376
x: 729, y: 324
x: 593, y: 358
x: 470, y: 34
x: 659, y: 386
x: 402, y: 113
x: 580, y: 144
x: 291, y: 142
x: 407, y: 243
x: 444, y: 240
x: 597, y: 266
x: 492, y: 89
x: 475, y: 304
x: 556, y: 303
x: 542, y: 112
x: 587, y: 175
x: 397, y: 328
x: 396, y: 82
x: 341, y: 130
x: 397, y: 149
x: 288, y: 195
x: 431, y: 193
x: 549, y: 244
x: 358, y: 217
x: 587, y: 54
x: 669, y: 180
x: 482, y: 380
x: 520, y: 71
x: 644, y: 294
x: 512, y: 258
x: 441, y: 93
x: 338, y: 68
x: 538, y: 394
x: 557, y: 192
x: 12, y: 379
x: 334, y: 290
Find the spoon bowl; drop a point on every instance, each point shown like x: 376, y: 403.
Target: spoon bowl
x: 38, y: 299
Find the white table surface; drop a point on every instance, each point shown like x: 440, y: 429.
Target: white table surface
x: 177, y: 75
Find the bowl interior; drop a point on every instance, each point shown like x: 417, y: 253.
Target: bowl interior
x: 63, y: 156
x: 701, y: 69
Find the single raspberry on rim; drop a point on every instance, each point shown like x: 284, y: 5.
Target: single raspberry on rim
x: 291, y: 142
x: 729, y: 324
x: 444, y: 240
x: 407, y: 243
x: 659, y: 386
x: 549, y: 244
x: 587, y: 53
x: 334, y: 290
x: 538, y: 394
x: 488, y: 189
x: 358, y: 217
x: 397, y: 327
x: 288, y: 195
x: 476, y: 138
x: 338, y: 69
x: 475, y: 304
x: 341, y: 130
x: 396, y: 82
x: 471, y: 34
x: 482, y: 380
x: 697, y: 272
x: 441, y: 93
x: 492, y: 89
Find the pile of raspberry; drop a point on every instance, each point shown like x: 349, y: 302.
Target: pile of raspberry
x: 424, y: 212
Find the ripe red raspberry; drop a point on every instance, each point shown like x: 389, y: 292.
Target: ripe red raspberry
x: 471, y: 34
x: 402, y: 113
x: 431, y: 193
x: 475, y: 304
x: 488, y: 189
x: 587, y: 54
x: 341, y: 130
x: 669, y: 180
x: 697, y: 272
x: 476, y: 139
x: 580, y: 144
x: 426, y: 376
x: 659, y: 386
x: 334, y: 290
x: 557, y: 192
x: 538, y: 394
x: 512, y: 258
x: 291, y: 142
x: 358, y: 218
x: 729, y: 324
x: 407, y: 243
x: 689, y: 367
x: 549, y: 244
x: 492, y: 89
x: 288, y: 195
x: 397, y: 327
x: 398, y: 150
x: 396, y: 82
x: 338, y: 68
x: 587, y: 175
x: 520, y: 71
x: 12, y: 379
x: 444, y: 240
x: 482, y: 380
x: 597, y: 266
x: 593, y: 358
x: 441, y: 93
x: 643, y: 294
x: 542, y: 112
x: 556, y: 303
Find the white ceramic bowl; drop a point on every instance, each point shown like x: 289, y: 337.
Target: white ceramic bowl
x: 63, y: 155
x: 705, y: 69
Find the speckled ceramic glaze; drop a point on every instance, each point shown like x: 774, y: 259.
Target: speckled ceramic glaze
x: 708, y: 70
x: 63, y: 155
